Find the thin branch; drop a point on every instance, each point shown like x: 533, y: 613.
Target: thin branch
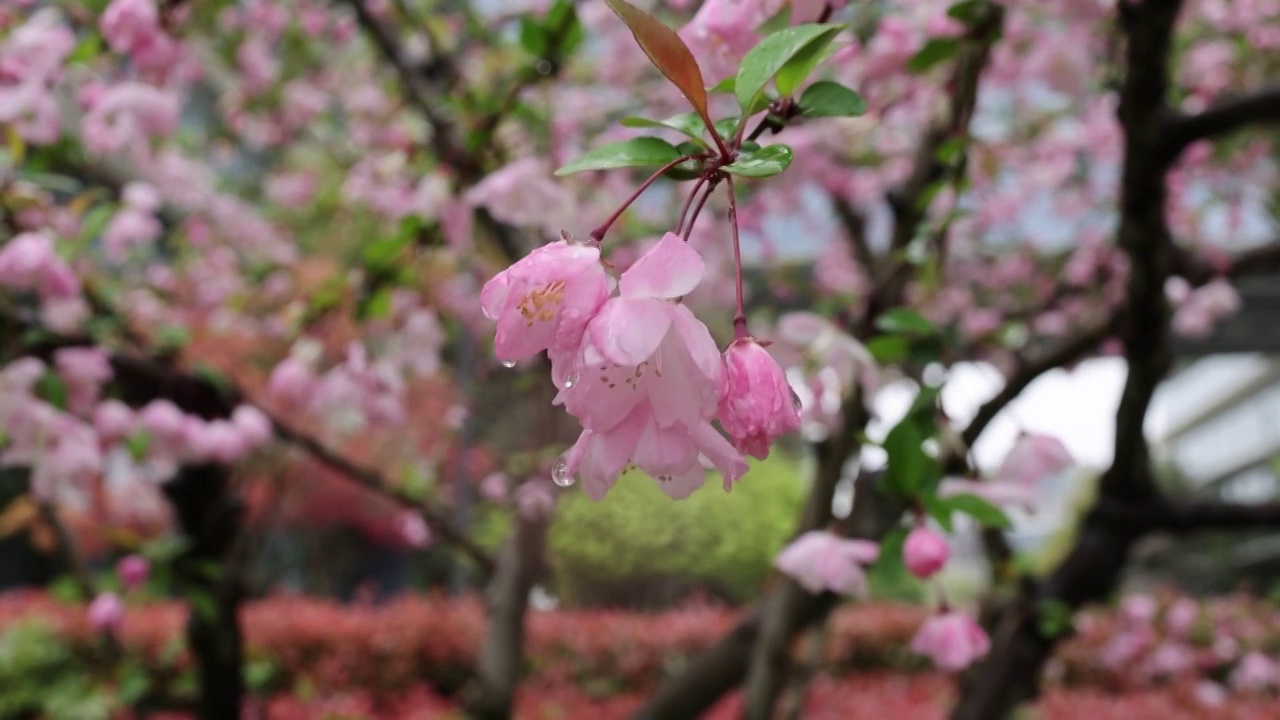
x: 855, y: 225
x: 1261, y: 260
x: 1191, y: 515
x: 1261, y: 107
x: 373, y: 480
x: 1028, y: 370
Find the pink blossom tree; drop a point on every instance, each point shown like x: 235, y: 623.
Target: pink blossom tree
x: 285, y: 231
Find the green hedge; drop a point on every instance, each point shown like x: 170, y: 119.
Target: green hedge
x: 637, y: 547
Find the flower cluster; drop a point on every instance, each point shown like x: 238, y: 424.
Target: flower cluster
x: 640, y: 372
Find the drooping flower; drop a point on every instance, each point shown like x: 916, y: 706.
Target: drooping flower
x: 758, y: 406
x: 646, y: 381
x: 925, y: 552
x: 545, y: 300
x: 820, y: 561
x: 952, y: 640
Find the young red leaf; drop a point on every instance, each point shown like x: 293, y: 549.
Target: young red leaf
x: 667, y: 52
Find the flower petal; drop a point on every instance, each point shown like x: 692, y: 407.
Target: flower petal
x: 670, y: 269
x: 627, y: 331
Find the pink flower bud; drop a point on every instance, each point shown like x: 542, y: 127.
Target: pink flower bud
x: 106, y: 612
x: 952, y: 640
x: 133, y: 571
x: 925, y: 552
x: 758, y: 406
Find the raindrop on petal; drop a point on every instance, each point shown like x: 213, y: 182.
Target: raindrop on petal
x: 508, y: 363
x: 571, y: 380
x: 560, y: 472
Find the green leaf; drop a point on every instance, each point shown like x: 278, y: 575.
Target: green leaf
x: 534, y: 37
x: 797, y: 70
x: 950, y: 152
x: 907, y: 461
x: 904, y: 321
x: 1055, y: 618
x: 686, y: 123
x: 779, y: 21
x: 667, y: 52
x: 827, y: 98
x: 52, y: 390
x: 966, y: 11
x: 766, y: 162
x: 636, y: 152
x: 980, y: 510
x: 888, y: 349
x: 935, y: 51
x: 726, y: 126
x: 763, y: 62
x: 724, y: 86
x: 940, y: 511
x: 137, y: 444
x: 172, y: 338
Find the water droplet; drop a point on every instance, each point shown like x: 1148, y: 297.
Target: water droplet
x: 508, y: 363
x: 796, y: 402
x: 560, y: 472
x: 571, y: 380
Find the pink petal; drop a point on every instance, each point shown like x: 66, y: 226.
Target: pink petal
x: 670, y: 269
x: 627, y: 331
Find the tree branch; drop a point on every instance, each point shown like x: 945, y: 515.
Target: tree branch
x: 1192, y: 515
x: 1261, y: 107
x: 1028, y: 370
x: 1261, y: 260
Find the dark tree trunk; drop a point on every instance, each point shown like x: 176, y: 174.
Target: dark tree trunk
x: 210, y: 517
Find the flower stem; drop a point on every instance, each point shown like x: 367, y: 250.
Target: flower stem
x: 684, y: 211
x: 598, y: 233
x: 697, y: 208
x: 739, y: 317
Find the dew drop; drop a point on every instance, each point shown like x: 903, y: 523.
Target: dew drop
x: 571, y: 380
x: 508, y: 363
x: 560, y: 472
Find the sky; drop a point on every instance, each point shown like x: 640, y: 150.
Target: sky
x: 1077, y: 407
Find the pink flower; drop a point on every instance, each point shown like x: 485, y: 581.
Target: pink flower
x: 1180, y: 616
x: 1255, y: 672
x: 84, y: 370
x: 952, y: 640
x: 535, y: 499
x: 255, y: 428
x: 925, y: 552
x: 646, y: 381
x: 545, y: 300
x: 758, y: 405
x: 1033, y: 457
x: 162, y: 419
x: 494, y: 487
x: 130, y: 24
x: 106, y: 612
x: 412, y: 530
x: 291, y: 381
x: 523, y: 193
x: 29, y: 262
x: 133, y: 571
x: 127, y: 113
x: 822, y: 562
x: 113, y: 420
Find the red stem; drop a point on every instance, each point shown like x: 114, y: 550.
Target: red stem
x: 598, y: 233
x: 740, y: 317
x: 697, y: 209
x: 684, y: 211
